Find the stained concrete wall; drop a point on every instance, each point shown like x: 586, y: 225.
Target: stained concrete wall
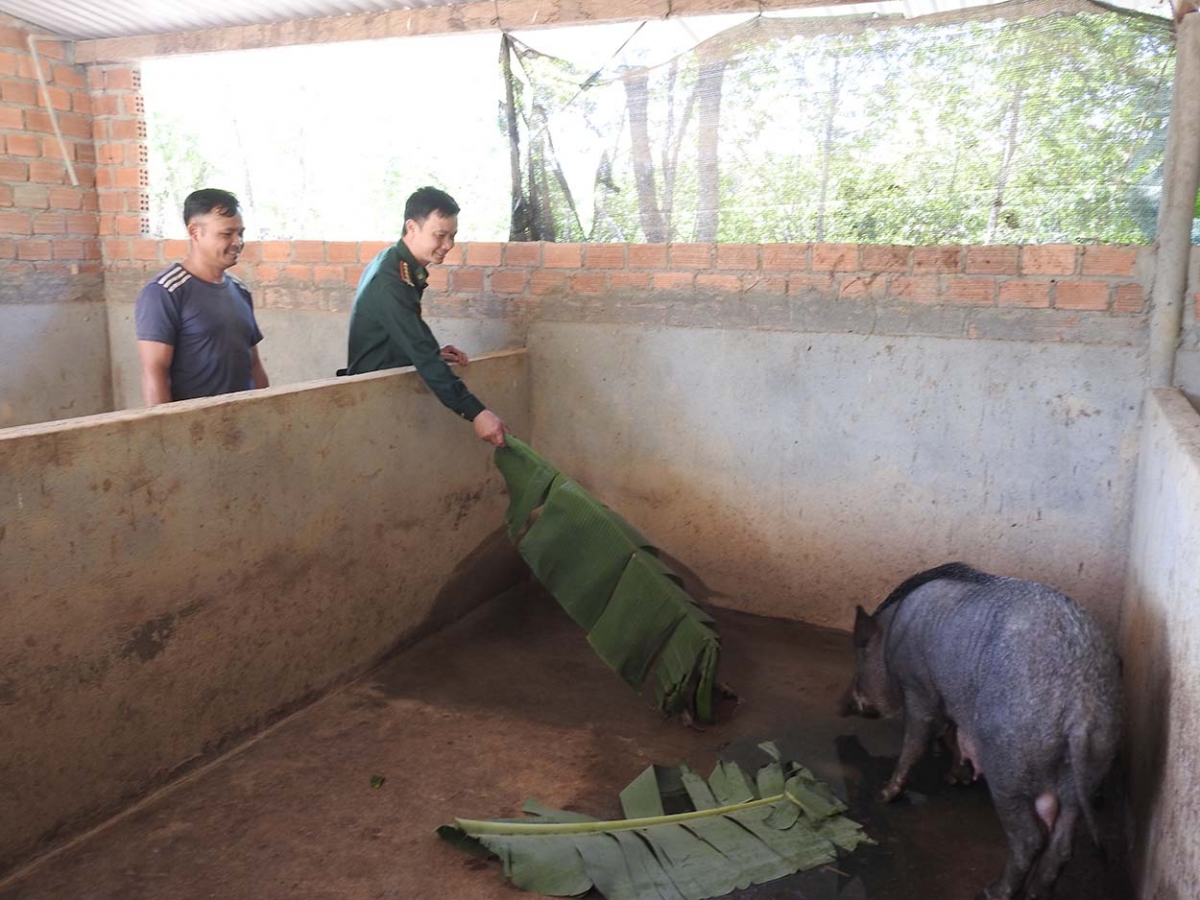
x: 1187, y: 362
x: 800, y: 473
x: 1160, y: 644
x: 172, y: 579
x: 1187, y: 373
x: 55, y: 361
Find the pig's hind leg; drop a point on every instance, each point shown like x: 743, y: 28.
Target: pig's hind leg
x: 1026, y: 840
x: 1058, y: 851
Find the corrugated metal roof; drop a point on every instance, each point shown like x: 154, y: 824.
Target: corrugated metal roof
x: 123, y: 18
x: 90, y: 19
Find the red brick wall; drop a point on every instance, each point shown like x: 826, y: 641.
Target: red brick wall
x: 1050, y: 291
x: 47, y: 225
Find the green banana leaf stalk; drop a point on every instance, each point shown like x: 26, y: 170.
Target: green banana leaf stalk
x: 732, y: 832
x: 609, y: 579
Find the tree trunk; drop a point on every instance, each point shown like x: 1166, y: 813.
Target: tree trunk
x: 573, y: 226
x: 668, y: 164
x: 637, y: 100
x: 541, y: 215
x: 671, y: 160
x: 1006, y: 161
x: 835, y: 90
x: 708, y: 206
x: 247, y: 199
x: 519, y: 222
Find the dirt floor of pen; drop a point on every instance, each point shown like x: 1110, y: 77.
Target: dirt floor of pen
x: 507, y: 704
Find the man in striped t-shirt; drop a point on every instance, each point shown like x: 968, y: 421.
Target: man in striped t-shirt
x: 196, y: 332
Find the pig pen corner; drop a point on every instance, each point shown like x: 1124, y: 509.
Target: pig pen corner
x: 455, y: 688
x: 884, y: 403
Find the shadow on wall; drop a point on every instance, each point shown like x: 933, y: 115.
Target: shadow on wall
x: 1187, y: 369
x: 490, y: 569
x: 1147, y: 668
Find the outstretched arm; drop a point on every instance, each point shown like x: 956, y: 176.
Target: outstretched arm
x: 404, y: 325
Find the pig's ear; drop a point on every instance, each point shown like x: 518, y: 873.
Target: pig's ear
x: 864, y: 627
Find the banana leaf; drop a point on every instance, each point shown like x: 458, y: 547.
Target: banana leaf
x: 727, y: 833
x: 609, y: 579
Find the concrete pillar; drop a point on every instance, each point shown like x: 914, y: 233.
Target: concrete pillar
x: 1181, y: 179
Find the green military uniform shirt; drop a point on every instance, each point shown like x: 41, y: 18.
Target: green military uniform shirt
x: 387, y: 331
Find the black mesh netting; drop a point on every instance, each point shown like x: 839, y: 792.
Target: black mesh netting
x: 1024, y: 123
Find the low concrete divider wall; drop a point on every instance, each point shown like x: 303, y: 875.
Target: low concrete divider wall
x: 173, y: 579
x: 1160, y: 633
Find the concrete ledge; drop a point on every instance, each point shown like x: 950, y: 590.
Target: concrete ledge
x: 173, y: 579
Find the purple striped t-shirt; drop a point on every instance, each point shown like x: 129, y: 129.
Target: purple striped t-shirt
x: 211, y: 327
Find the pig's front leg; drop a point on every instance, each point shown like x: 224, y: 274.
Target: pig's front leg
x: 918, y: 725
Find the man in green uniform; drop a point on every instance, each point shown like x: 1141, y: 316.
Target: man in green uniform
x: 386, y: 328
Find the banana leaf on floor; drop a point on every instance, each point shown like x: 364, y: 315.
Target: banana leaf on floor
x: 609, y: 579
x: 734, y: 831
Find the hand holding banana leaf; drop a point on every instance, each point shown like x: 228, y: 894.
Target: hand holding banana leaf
x: 609, y: 579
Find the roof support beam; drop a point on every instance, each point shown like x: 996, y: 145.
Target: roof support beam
x: 479, y: 15
x: 1181, y: 180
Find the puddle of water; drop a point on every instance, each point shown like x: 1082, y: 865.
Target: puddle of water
x: 937, y: 842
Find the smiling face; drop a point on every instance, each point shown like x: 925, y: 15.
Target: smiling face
x: 217, y: 240
x: 429, y: 241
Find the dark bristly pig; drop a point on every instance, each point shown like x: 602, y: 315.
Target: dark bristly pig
x: 1029, y: 682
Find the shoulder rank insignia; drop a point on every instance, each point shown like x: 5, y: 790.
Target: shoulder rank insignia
x: 406, y: 274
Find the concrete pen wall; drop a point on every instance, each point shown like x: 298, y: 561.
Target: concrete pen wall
x: 799, y: 473
x: 1160, y: 646
x: 173, y: 579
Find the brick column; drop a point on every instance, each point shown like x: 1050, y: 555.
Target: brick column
x: 122, y: 179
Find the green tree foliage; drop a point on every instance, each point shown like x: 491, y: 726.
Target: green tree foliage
x: 174, y: 154
x: 1033, y: 129
x: 544, y: 97
x: 994, y: 128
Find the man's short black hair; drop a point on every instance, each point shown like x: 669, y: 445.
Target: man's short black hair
x: 426, y: 200
x: 206, y: 200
